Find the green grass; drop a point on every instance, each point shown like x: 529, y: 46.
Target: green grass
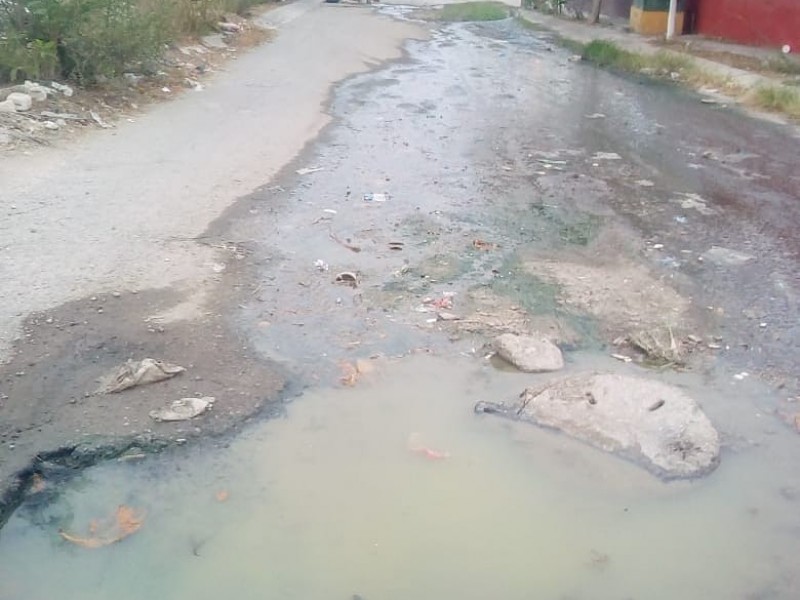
x: 778, y: 98
x: 784, y: 65
x: 607, y: 54
x: 473, y: 11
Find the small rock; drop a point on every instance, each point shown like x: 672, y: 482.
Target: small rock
x: 726, y: 257
x: 528, y: 353
x: 214, y: 40
x: 51, y: 125
x: 22, y: 102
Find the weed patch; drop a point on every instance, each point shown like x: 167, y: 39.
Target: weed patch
x: 778, y: 98
x: 473, y: 11
x: 89, y: 39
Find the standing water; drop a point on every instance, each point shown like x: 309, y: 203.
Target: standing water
x: 393, y: 489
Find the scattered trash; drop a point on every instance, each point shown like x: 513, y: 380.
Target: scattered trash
x: 134, y: 373
x: 321, y: 265
x: 709, y: 101
x: 741, y: 376
x: 183, y: 409
x: 680, y: 219
x: 347, y: 278
x: 330, y: 211
x: 229, y: 27
x: 606, y: 156
x: 221, y: 495
x: 622, y: 357
x: 64, y: 89
x: 341, y: 242
x: 575, y: 58
x: 596, y: 116
x: 309, y: 170
x: 415, y: 445
x: 659, y: 345
x: 483, y: 245
x: 396, y: 245
x: 644, y: 183
x: 125, y: 522
x: 373, y: 197
x: 97, y: 119
x: 547, y: 161
x: 443, y: 303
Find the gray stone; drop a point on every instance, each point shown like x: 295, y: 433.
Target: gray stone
x: 726, y: 257
x: 649, y: 422
x: 528, y: 353
x: 214, y: 40
x: 7, y: 106
x: 22, y: 102
x: 37, y: 92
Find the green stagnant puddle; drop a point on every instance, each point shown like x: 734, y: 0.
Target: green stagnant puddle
x: 331, y: 502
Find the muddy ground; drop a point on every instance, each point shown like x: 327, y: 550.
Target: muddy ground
x: 483, y: 183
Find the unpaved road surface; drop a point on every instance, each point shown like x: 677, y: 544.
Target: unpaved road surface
x: 479, y: 183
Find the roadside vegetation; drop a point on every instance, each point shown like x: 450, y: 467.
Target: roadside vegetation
x: 669, y: 65
x: 88, y: 40
x: 778, y: 98
x: 473, y: 11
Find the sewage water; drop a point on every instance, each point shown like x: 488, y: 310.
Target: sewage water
x: 332, y: 503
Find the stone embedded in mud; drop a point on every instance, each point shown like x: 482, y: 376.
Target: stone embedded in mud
x: 647, y: 421
x: 528, y: 353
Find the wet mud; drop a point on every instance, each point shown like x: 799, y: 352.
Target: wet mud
x: 469, y: 194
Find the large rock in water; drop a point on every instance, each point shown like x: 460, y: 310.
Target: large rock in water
x: 528, y: 353
x: 647, y: 421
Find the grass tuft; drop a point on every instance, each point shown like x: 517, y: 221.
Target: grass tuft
x: 473, y: 11
x: 778, y: 98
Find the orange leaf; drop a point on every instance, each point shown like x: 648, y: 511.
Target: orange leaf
x: 125, y: 521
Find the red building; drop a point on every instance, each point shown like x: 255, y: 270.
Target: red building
x: 772, y: 23
x: 758, y: 22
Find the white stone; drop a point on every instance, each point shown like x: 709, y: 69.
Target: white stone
x: 528, y: 353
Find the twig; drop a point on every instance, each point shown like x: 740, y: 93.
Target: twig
x: 338, y: 240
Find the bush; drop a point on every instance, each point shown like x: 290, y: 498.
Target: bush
x: 86, y: 39
x: 82, y: 39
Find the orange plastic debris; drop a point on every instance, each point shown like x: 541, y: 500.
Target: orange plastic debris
x: 415, y: 446
x: 125, y: 521
x: 221, y: 495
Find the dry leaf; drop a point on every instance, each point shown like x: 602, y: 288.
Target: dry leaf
x: 126, y: 521
x: 349, y: 374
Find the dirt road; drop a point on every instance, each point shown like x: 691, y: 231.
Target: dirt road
x: 102, y: 240
x: 483, y: 183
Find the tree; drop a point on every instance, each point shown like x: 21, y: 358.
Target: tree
x: 596, y: 5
